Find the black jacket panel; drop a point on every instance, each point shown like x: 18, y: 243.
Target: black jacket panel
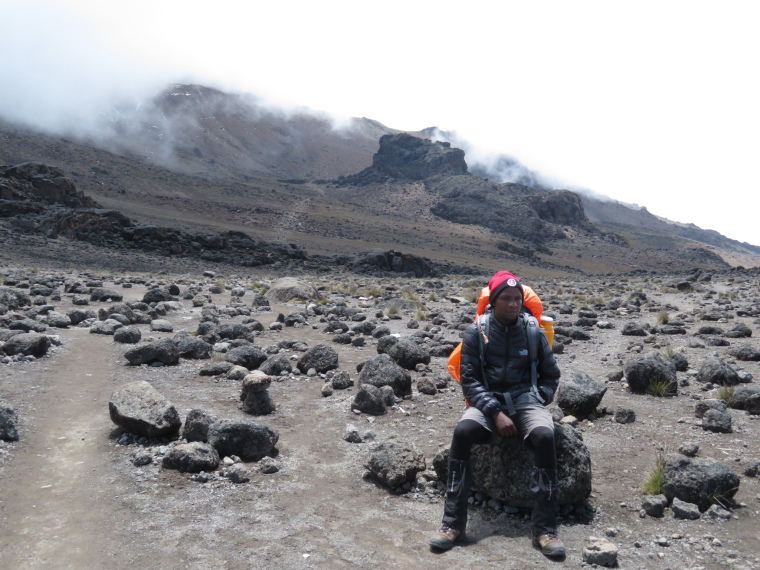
x: 507, y: 366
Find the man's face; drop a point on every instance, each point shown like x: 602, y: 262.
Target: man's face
x: 507, y: 305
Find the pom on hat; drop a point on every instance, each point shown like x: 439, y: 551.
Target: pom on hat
x: 500, y: 281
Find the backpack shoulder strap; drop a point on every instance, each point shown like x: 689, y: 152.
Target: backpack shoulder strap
x: 532, y: 332
x: 484, y: 326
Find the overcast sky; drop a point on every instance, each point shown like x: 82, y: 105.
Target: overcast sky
x: 648, y: 102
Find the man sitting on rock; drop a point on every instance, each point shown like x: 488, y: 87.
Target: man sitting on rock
x: 505, y: 397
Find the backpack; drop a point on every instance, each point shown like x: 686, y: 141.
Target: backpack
x: 533, y: 322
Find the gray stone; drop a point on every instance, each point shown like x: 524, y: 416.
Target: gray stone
x: 8, y: 431
x: 502, y: 468
x: 76, y: 316
x: 192, y: 457
x: 369, y: 400
x: 654, y: 505
x: 254, y: 396
x: 58, y: 320
x: 216, y: 368
x: 716, y: 371
x: 139, y: 408
x: 234, y: 331
x: 745, y: 353
x: 394, y: 464
x: 247, y: 439
x: 276, y: 365
x: 196, y: 426
x: 380, y: 370
x: 740, y: 330
x: 579, y: 394
x: 752, y: 405
x: 625, y: 416
x: 247, y: 356
x: 158, y: 296
x: 633, y: 329
x: 685, y: 510
x: 386, y: 393
x: 27, y: 344
x: 407, y: 354
x: 741, y: 396
x: 127, y: 335
x: 351, y: 434
x: 753, y: 469
x: 341, y: 380
x: 321, y: 357
x: 644, y: 372
x: 161, y: 325
x: 107, y: 327
x: 601, y: 552
x: 426, y: 385
x: 13, y: 298
x: 703, y: 406
x: 237, y: 372
x: 269, y: 465
x: 238, y: 473
x: 27, y: 325
x: 102, y: 294
x: 194, y: 348
x: 163, y: 350
x: 718, y: 513
x: 698, y: 481
x: 717, y: 421
x: 292, y: 289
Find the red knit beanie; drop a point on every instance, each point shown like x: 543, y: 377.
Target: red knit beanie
x: 500, y: 281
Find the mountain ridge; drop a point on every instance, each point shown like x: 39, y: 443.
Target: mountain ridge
x: 294, y: 178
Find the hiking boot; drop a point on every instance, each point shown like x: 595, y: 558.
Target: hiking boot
x: 445, y: 538
x: 549, y: 544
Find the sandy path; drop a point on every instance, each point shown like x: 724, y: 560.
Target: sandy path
x: 47, y: 519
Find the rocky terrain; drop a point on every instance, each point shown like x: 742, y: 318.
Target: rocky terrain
x: 224, y: 334
x: 73, y: 475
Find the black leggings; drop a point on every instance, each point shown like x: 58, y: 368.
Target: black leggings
x: 469, y: 433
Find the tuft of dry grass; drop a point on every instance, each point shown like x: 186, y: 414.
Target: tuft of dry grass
x: 652, y: 484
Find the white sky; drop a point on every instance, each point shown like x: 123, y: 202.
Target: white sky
x: 649, y: 102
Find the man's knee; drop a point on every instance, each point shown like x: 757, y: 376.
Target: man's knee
x: 542, y: 437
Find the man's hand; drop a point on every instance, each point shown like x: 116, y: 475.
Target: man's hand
x: 504, y: 425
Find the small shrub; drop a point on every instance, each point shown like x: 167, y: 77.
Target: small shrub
x: 725, y: 393
x: 723, y: 499
x: 220, y: 284
x: 662, y: 318
x: 472, y: 296
x: 432, y: 297
x: 375, y: 291
x: 420, y: 315
x: 392, y: 309
x: 408, y: 292
x: 652, y: 484
x: 661, y: 388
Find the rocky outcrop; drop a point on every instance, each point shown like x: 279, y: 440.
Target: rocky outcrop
x: 502, y: 468
x: 380, y: 261
x: 33, y: 182
x: 510, y: 209
x: 561, y: 207
x: 406, y: 157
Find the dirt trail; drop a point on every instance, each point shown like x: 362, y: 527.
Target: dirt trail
x: 51, y: 508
